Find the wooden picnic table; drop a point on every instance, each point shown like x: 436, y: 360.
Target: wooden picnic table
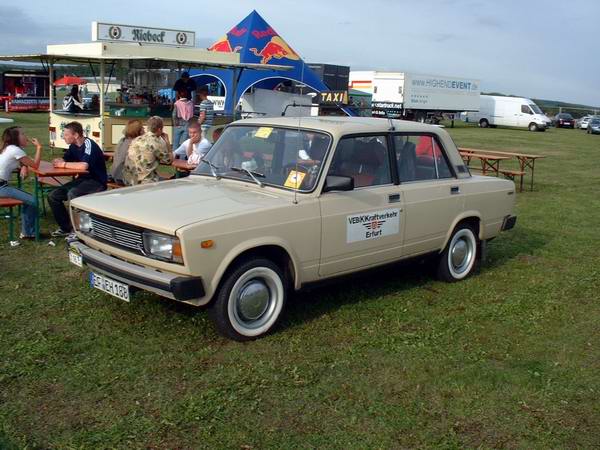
x: 488, y: 162
x: 526, y: 161
x: 47, y: 170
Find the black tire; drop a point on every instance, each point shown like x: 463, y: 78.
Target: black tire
x: 451, y: 266
x: 240, y: 310
x: 533, y: 127
x: 483, y: 123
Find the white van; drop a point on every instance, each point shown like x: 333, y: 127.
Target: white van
x: 508, y: 112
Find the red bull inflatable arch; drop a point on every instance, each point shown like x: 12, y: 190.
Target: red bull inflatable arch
x: 256, y: 42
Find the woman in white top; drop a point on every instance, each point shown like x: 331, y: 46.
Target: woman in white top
x: 12, y: 157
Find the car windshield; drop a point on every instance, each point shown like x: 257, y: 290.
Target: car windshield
x: 536, y: 109
x: 282, y: 157
x: 565, y: 116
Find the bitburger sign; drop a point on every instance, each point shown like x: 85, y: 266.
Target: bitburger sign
x: 142, y: 35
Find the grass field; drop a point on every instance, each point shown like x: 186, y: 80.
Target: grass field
x: 509, y: 358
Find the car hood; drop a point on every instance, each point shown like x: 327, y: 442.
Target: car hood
x: 170, y: 205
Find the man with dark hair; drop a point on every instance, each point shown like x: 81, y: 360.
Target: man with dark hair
x: 207, y: 110
x: 187, y: 84
x: 83, y: 153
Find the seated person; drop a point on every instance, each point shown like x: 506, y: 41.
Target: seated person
x: 146, y: 152
x: 83, y: 153
x: 72, y: 103
x: 194, y: 148
x: 133, y: 129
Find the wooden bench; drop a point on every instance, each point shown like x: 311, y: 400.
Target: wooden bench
x: 9, y: 204
x: 112, y: 185
x: 512, y: 174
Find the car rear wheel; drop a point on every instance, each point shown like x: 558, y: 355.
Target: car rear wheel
x: 459, y: 258
x: 250, y: 300
x: 533, y: 127
x: 483, y: 123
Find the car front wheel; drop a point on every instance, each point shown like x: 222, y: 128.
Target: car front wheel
x: 250, y: 300
x: 533, y: 127
x: 459, y: 258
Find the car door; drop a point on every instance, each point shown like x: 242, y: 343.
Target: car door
x: 431, y: 192
x: 362, y: 227
x: 525, y: 116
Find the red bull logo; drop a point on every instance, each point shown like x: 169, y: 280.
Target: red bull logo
x: 276, y: 48
x: 223, y: 45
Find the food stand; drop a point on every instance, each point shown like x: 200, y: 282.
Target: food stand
x: 24, y: 90
x: 145, y: 57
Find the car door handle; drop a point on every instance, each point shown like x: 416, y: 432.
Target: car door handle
x: 393, y: 198
x: 455, y: 190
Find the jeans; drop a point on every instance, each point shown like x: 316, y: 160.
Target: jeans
x: 69, y: 191
x: 28, y: 210
x: 180, y: 134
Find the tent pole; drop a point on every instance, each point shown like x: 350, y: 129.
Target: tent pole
x: 51, y: 87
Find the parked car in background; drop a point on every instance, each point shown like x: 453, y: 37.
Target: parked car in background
x: 564, y: 120
x: 277, y: 204
x: 594, y: 125
x: 583, y: 122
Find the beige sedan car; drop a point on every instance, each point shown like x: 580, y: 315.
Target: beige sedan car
x: 281, y: 203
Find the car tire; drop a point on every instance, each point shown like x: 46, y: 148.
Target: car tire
x: 459, y: 258
x: 250, y: 300
x: 483, y: 123
x: 533, y: 127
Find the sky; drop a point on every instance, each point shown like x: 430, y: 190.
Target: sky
x: 545, y: 50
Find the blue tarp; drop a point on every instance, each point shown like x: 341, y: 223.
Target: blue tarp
x: 257, y: 42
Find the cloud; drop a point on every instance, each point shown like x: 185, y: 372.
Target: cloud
x: 19, y: 33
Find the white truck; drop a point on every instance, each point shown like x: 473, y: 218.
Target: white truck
x: 509, y: 112
x: 418, y: 97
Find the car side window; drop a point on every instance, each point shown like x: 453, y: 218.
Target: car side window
x: 420, y: 158
x: 364, y: 158
x: 526, y: 110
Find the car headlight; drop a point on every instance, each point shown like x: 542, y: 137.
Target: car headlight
x: 162, y: 246
x: 82, y: 221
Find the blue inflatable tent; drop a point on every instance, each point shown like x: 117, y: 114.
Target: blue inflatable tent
x: 256, y: 42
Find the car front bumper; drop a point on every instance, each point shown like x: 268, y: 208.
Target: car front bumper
x: 173, y: 286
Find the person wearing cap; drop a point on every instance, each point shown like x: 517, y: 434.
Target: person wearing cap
x: 185, y: 83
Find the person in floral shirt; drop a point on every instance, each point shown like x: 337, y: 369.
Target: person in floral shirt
x: 145, y: 154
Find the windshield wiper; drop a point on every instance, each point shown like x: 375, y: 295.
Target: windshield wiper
x: 252, y: 174
x: 212, y: 167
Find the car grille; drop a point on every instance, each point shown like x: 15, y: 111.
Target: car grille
x: 117, y: 233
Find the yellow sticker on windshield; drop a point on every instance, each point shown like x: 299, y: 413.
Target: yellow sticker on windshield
x: 294, y: 179
x: 263, y: 132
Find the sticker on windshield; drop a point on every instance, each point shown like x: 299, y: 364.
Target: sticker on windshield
x: 294, y: 179
x: 263, y: 132
x: 372, y: 225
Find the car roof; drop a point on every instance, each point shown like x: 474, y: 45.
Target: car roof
x: 338, y: 125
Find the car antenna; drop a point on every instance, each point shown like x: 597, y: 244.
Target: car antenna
x: 295, y: 201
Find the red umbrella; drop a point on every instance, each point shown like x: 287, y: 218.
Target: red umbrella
x: 69, y: 80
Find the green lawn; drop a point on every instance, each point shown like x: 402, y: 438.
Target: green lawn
x: 508, y: 358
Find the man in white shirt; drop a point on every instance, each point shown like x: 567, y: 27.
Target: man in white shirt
x: 195, y: 147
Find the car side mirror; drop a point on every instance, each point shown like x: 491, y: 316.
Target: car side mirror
x: 338, y: 183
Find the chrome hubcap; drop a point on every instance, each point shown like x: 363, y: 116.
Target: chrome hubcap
x: 459, y: 254
x: 462, y: 254
x: 253, y: 300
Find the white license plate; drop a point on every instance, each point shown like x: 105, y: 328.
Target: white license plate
x: 109, y: 286
x: 75, y: 258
